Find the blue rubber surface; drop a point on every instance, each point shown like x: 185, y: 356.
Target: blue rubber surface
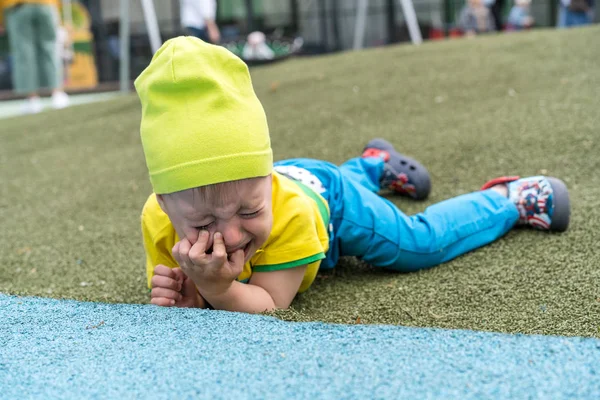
x: 68, y: 349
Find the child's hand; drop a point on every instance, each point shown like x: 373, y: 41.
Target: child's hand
x: 171, y: 287
x: 212, y: 273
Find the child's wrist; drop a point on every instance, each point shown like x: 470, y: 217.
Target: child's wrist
x: 200, y: 300
x: 212, y: 290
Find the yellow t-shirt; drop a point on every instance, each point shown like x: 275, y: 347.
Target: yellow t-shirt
x: 299, y: 235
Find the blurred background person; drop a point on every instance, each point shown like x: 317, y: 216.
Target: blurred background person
x: 575, y: 13
x: 32, y: 33
x: 198, y: 18
x: 476, y: 18
x: 496, y: 7
x: 520, y: 15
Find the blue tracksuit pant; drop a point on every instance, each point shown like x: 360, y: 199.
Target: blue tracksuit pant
x: 372, y: 228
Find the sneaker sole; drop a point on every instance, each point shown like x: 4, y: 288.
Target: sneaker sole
x: 562, y: 205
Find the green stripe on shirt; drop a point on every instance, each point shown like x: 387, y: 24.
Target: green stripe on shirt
x: 291, y: 264
x: 323, y: 209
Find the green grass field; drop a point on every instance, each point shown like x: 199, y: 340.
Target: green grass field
x: 74, y: 181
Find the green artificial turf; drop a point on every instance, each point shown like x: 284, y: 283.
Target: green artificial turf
x: 74, y: 181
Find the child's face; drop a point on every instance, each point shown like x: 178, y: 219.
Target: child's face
x: 241, y: 211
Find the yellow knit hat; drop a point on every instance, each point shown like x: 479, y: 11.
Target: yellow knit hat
x: 201, y: 120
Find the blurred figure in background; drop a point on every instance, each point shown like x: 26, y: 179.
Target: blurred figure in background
x: 575, y: 13
x: 496, y: 7
x: 475, y: 18
x: 520, y: 15
x: 198, y: 18
x: 32, y: 30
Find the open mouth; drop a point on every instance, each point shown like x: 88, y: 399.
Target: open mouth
x: 247, y: 250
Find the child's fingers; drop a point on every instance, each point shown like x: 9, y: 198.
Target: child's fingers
x: 179, y: 275
x: 162, y: 301
x: 159, y: 292
x: 198, y: 251
x: 219, y: 254
x: 175, y: 252
x: 183, y: 253
x: 237, y: 258
x: 163, y: 270
x: 189, y: 288
x: 158, y: 281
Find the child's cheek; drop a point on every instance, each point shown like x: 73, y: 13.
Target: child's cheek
x: 266, y: 226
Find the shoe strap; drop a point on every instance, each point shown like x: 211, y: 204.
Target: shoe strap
x: 498, y: 181
x: 372, y: 152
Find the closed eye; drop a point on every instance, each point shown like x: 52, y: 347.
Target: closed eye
x: 204, y: 227
x: 250, y: 215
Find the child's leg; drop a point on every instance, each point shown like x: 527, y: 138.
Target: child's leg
x: 375, y: 230
x: 364, y: 171
x: 47, y: 59
x: 447, y: 229
x: 21, y: 34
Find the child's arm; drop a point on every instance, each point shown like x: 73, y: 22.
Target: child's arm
x: 215, y: 276
x: 266, y: 291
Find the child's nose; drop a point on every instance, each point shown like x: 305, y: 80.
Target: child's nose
x: 232, y: 234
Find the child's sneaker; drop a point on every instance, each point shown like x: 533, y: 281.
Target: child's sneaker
x: 60, y: 100
x: 32, y: 105
x: 401, y: 174
x: 543, y: 202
